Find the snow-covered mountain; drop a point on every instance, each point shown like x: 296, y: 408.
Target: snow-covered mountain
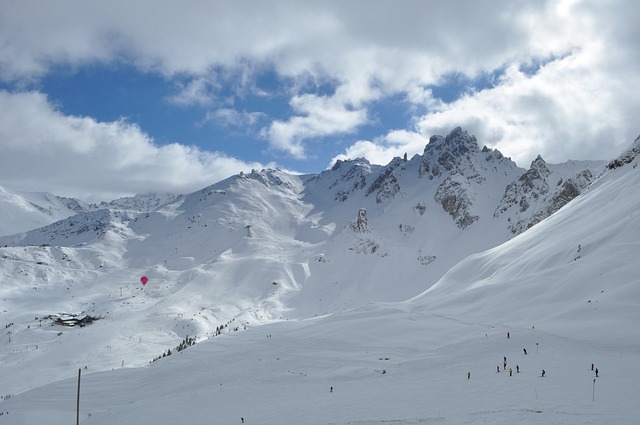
x: 375, y: 279
x: 23, y: 211
x: 392, y: 231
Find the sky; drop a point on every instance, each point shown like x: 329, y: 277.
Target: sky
x: 106, y: 99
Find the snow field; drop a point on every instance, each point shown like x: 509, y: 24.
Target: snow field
x: 284, y: 372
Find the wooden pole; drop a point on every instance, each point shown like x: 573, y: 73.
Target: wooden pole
x: 78, y: 399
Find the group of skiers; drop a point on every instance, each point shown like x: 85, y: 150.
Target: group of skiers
x: 524, y: 350
x: 504, y: 364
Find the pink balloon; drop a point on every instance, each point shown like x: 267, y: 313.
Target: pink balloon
x: 144, y: 280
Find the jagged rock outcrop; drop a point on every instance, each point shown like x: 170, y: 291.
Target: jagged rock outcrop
x: 449, y: 155
x: 406, y: 229
x: 570, y: 188
x: 361, y: 225
x: 352, y: 177
x: 143, y: 203
x: 627, y: 157
x: 80, y: 228
x: 386, y: 185
x: 363, y: 245
x: 532, y: 184
x: 425, y: 260
x: 456, y: 200
x: 456, y: 154
x: 536, y: 199
x: 388, y: 190
x: 463, y: 168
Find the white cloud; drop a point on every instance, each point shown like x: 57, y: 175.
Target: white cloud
x: 582, y: 104
x: 199, y: 91
x: 570, y: 109
x: 578, y: 105
x: 44, y: 150
x: 318, y: 116
x: 227, y: 117
x: 396, y: 143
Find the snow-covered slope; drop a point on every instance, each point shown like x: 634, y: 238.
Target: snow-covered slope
x: 565, y: 291
x: 267, y: 246
x: 23, y: 211
x: 573, y: 274
x: 301, y: 255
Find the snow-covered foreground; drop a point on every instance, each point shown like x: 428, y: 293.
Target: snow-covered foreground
x: 394, y: 364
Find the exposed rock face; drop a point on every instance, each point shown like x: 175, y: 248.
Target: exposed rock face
x: 570, y: 189
x: 361, y: 225
x: 352, y: 176
x: 425, y: 260
x: 454, y: 163
x: 532, y: 184
x: 534, y: 197
x: 386, y: 186
x: 449, y: 155
x: 627, y: 157
x: 406, y: 229
x: 457, y: 160
x: 456, y: 200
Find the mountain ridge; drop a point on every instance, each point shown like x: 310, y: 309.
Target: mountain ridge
x: 268, y: 246
x: 559, y: 297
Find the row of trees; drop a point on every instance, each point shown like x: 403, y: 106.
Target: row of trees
x: 186, y: 342
x: 189, y: 341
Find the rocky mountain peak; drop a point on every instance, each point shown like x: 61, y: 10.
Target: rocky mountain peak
x: 461, y: 141
x: 461, y: 168
x: 142, y: 202
x: 538, y: 169
x: 270, y: 177
x: 347, y: 164
x: 534, y: 196
x: 449, y: 155
x: 347, y: 176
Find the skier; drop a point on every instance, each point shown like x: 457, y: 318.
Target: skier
x: 468, y: 375
x: 510, y: 372
x: 525, y: 351
x: 498, y: 368
x: 508, y: 335
x: 517, y: 369
x: 591, y: 366
x: 242, y: 420
x: 596, y: 372
x: 542, y: 372
x: 331, y: 389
